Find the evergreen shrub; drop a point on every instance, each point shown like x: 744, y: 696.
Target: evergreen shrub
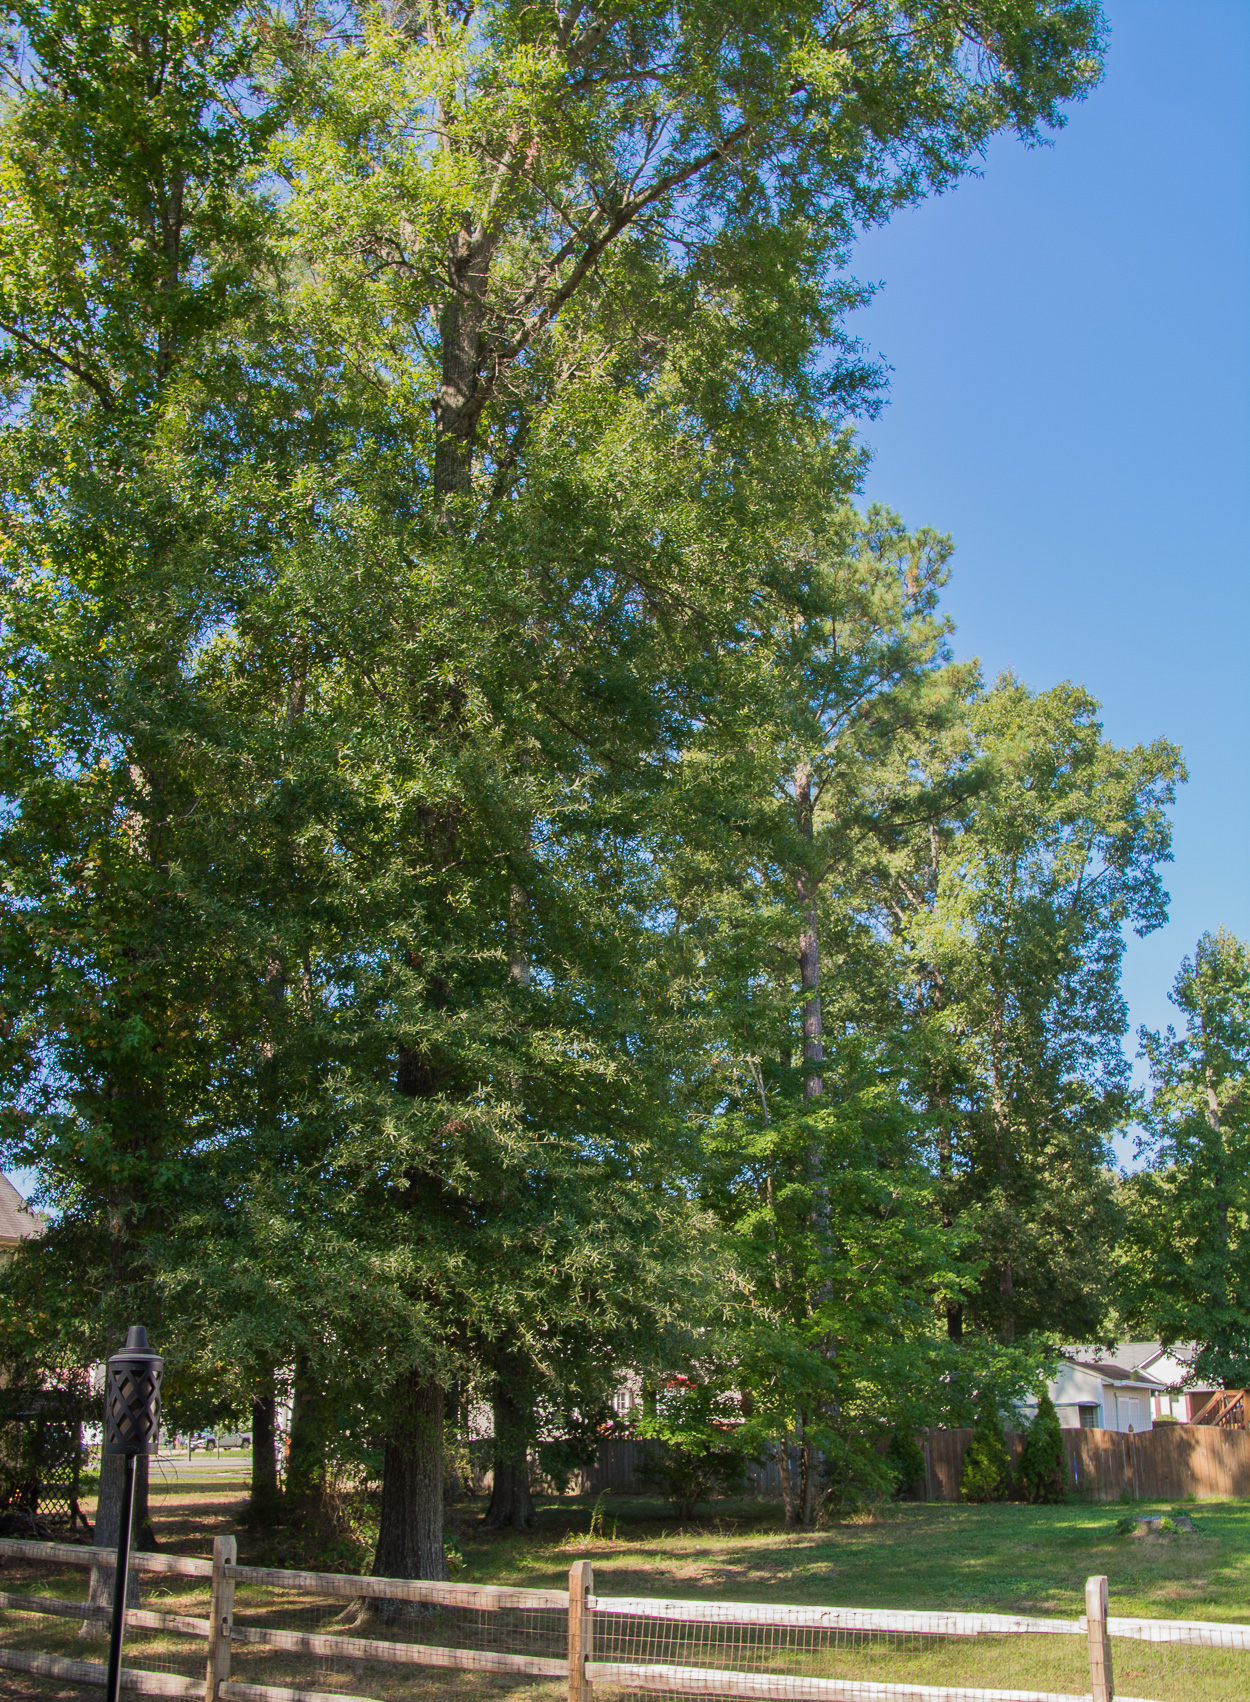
x: 1043, y: 1465
x: 987, y: 1464
x: 905, y: 1458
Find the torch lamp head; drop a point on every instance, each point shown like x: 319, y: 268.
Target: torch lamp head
x: 132, y: 1397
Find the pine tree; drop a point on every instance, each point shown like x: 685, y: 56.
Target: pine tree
x: 1043, y: 1470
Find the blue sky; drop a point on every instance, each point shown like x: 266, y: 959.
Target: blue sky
x: 1069, y: 335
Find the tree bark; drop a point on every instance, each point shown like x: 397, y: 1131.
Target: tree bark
x: 940, y: 1101
x: 1002, y: 1141
x: 108, y: 1520
x: 264, y: 1501
x: 809, y: 1474
x: 410, y: 1535
x: 511, y: 1503
x: 1006, y: 1300
x: 809, y: 942
x: 306, y: 1458
x: 788, y: 1503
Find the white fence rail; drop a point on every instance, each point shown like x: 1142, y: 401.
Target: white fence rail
x: 618, y: 1643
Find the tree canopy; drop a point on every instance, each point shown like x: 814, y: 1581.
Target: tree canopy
x: 506, y: 891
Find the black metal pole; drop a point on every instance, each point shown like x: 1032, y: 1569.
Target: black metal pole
x: 113, y: 1681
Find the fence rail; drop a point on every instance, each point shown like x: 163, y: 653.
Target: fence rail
x: 604, y: 1638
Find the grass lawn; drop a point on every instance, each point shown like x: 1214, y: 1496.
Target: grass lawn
x: 998, y: 1559
x: 1004, y: 1559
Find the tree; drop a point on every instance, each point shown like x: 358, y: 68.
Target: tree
x: 987, y: 1465
x: 1010, y: 915
x: 124, y: 248
x: 299, y: 499
x: 1043, y: 1471
x: 548, y: 219
x: 1182, y: 1262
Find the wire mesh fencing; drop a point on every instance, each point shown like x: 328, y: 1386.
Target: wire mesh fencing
x: 55, y: 1633
x: 792, y: 1654
x: 645, y: 1648
x: 389, y: 1640
x: 231, y: 1633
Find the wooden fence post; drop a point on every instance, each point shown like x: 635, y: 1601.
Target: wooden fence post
x: 220, y: 1618
x: 1101, y: 1682
x: 581, y: 1630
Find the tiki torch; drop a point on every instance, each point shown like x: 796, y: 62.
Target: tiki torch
x: 132, y: 1422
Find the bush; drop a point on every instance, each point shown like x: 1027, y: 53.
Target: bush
x: 701, y: 1449
x: 1043, y: 1464
x: 905, y: 1458
x: 987, y: 1465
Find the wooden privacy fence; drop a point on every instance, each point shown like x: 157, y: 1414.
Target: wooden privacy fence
x: 619, y: 1645
x: 1166, y: 1463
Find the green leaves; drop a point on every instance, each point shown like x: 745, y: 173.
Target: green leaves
x: 1188, y: 1214
x: 127, y: 226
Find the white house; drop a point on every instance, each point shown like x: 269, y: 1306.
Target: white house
x: 1173, y: 1367
x: 1097, y: 1394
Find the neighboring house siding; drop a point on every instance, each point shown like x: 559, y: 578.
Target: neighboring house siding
x: 17, y: 1222
x: 1099, y: 1395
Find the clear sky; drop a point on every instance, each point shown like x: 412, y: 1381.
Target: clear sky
x: 1069, y: 335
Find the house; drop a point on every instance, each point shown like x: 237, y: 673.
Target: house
x: 17, y: 1222
x: 1100, y: 1394
x: 1173, y: 1367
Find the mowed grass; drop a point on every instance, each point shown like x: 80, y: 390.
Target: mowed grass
x: 1005, y: 1559
x: 995, y: 1559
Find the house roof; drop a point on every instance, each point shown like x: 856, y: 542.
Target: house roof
x: 1118, y: 1373
x: 1137, y: 1355
x: 17, y: 1221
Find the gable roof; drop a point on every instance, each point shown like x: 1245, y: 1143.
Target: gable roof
x: 17, y: 1221
x: 1118, y: 1374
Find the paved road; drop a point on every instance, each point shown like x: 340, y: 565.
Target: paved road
x: 201, y: 1467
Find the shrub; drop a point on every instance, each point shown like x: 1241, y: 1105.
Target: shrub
x: 987, y: 1465
x: 857, y: 1473
x: 905, y: 1458
x: 701, y: 1449
x: 1043, y: 1465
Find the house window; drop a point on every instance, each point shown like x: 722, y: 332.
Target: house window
x: 1089, y: 1418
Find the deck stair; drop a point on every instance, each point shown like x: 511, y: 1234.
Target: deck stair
x: 1227, y: 1408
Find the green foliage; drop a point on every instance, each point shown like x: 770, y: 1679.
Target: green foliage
x: 701, y: 1448
x: 905, y: 1458
x: 427, y: 573
x: 1183, y: 1267
x: 1042, y: 1473
x: 987, y: 1465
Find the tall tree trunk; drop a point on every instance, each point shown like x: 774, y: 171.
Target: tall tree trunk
x: 511, y: 1503
x: 410, y: 1535
x: 1006, y: 1300
x: 455, y: 408
x: 1002, y: 1141
x: 108, y: 1523
x: 306, y: 1468
x: 789, y: 1505
x: 939, y: 1101
x: 264, y: 1501
x: 809, y: 942
x: 808, y: 886
x: 809, y: 1474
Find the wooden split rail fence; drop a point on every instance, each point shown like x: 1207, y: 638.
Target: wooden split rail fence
x: 592, y: 1647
